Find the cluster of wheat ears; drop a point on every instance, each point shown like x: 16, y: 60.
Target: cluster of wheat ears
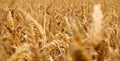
x: 59, y: 30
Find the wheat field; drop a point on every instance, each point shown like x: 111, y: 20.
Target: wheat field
x: 59, y: 30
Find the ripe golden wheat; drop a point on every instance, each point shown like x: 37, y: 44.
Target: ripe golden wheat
x: 59, y: 30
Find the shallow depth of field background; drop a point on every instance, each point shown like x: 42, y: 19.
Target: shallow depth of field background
x: 59, y: 30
